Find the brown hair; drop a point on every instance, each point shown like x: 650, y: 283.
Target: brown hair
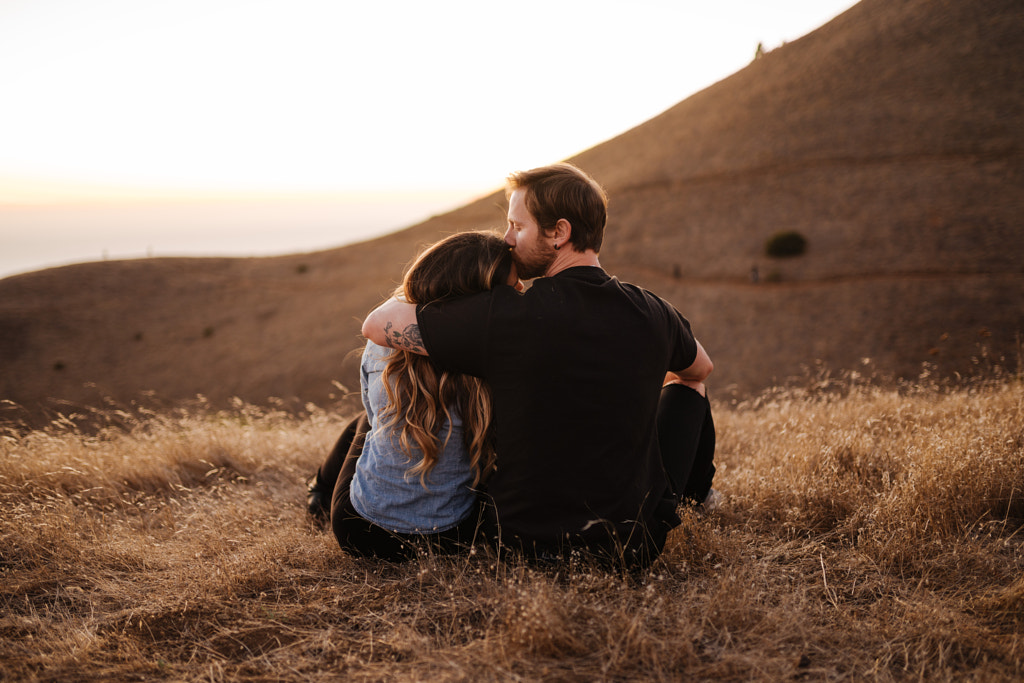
x: 564, y: 191
x: 420, y: 396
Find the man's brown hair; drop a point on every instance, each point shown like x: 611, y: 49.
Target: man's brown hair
x: 564, y: 191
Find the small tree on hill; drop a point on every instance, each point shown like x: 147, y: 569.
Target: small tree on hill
x: 785, y: 244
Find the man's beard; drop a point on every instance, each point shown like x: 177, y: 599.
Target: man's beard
x: 535, y: 265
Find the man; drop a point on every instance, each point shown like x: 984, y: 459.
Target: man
x: 576, y: 366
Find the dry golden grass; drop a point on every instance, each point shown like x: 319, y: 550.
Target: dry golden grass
x: 870, y: 534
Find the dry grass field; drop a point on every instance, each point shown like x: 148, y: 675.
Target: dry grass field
x: 871, y: 533
x: 872, y: 529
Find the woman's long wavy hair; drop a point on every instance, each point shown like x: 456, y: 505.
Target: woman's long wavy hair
x: 421, y: 397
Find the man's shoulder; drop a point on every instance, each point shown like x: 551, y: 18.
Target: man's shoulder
x: 600, y: 283
x: 642, y: 293
x: 453, y: 306
x: 465, y: 320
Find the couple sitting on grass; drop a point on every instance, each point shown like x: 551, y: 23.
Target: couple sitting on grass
x: 571, y: 416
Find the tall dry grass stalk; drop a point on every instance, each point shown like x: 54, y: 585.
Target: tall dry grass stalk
x: 869, y: 534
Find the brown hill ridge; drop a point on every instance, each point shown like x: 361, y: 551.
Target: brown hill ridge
x: 891, y: 138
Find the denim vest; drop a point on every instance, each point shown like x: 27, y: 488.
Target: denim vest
x: 383, y: 491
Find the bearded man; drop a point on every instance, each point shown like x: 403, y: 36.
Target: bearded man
x: 601, y: 414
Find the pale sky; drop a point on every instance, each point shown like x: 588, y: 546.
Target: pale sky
x: 305, y: 124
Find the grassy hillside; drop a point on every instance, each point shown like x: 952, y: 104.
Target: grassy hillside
x: 891, y: 139
x: 869, y: 534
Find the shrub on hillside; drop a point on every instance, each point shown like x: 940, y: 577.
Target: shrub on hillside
x: 785, y: 244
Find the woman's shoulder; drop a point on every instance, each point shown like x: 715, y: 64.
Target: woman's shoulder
x: 375, y: 356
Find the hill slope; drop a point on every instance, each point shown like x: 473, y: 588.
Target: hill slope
x: 891, y: 138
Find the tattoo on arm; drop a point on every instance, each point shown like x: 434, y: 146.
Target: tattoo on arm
x: 408, y: 339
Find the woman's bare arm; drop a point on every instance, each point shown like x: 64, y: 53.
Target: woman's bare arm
x: 394, y: 324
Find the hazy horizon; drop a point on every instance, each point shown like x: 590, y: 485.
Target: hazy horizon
x: 46, y: 236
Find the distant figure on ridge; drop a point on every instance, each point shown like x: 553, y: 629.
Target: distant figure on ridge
x: 602, y: 421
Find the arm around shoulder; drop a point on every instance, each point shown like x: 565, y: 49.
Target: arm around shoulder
x: 394, y: 324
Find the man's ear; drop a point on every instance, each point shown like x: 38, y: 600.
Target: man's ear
x: 563, y: 231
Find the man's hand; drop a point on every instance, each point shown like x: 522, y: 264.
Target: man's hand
x: 394, y: 324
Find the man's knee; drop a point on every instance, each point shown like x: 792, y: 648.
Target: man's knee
x: 696, y: 386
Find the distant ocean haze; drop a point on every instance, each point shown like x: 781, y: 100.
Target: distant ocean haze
x: 37, y: 236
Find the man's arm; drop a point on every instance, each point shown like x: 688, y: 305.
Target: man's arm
x: 699, y: 369
x: 394, y: 324
x: 694, y: 375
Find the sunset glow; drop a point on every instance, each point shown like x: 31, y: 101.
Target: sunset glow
x: 116, y: 101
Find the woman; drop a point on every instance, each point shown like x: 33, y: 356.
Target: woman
x: 403, y: 473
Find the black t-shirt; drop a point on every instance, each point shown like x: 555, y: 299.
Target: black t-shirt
x: 575, y: 365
